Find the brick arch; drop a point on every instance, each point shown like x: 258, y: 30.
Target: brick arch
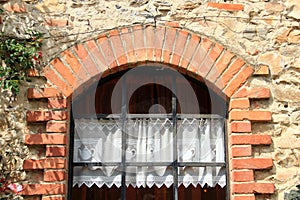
x: 127, y: 47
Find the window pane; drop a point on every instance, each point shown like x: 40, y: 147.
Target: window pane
x: 200, y: 140
x: 149, y: 176
x: 97, y: 140
x: 209, y: 175
x: 149, y: 140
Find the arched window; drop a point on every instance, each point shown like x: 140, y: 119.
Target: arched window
x: 148, y: 133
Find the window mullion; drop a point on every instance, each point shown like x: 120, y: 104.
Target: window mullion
x: 124, y: 135
x: 174, y: 120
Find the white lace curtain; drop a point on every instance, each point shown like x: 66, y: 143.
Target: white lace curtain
x: 149, y: 140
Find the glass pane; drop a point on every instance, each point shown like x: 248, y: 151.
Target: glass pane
x: 149, y: 176
x: 97, y: 175
x: 97, y: 141
x: 200, y: 140
x: 209, y: 175
x: 149, y: 140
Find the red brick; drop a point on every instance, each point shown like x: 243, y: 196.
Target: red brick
x: 98, y: 57
x: 239, y: 104
x: 216, y: 52
x: 170, y: 40
x: 58, y: 82
x: 149, y: 36
x: 39, y: 139
x: 46, y: 163
x: 64, y: 71
x: 118, y: 49
x: 253, y: 93
x: 251, y: 139
x: 40, y: 189
x: 190, y: 50
x: 252, y: 163
x: 56, y: 126
x: 179, y: 46
x: 172, y: 24
x: 252, y: 115
x: 240, y: 151
x: 242, y: 175
x: 232, y: 70
x: 244, y: 197
x: 86, y: 59
x: 238, y: 80
x: 16, y: 7
x: 158, y: 42
x: 54, y: 175
x: 57, y: 22
x: 226, y: 6
x: 220, y: 66
x: 53, y: 197
x: 57, y: 103
x: 240, y: 127
x: 106, y: 50
x: 249, y: 188
x: 41, y: 116
x: 54, y: 151
x: 126, y: 37
x: 40, y: 93
x: 72, y: 61
x: 138, y: 39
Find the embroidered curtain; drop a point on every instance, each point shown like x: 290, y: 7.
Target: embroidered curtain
x: 149, y: 140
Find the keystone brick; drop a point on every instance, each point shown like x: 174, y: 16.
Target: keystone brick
x: 252, y: 115
x: 41, y: 116
x: 39, y: 93
x: 47, y: 163
x: 251, y: 139
x: 252, y: 163
x: 246, y: 188
x: 242, y: 175
x: 40, y: 139
x: 40, y: 189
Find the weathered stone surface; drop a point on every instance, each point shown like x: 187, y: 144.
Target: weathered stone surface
x: 295, y: 8
x: 286, y: 92
x: 49, y: 6
x: 274, y: 60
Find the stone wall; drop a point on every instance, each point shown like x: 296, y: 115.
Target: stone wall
x: 265, y: 34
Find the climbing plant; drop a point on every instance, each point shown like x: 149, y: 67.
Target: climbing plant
x: 17, y: 56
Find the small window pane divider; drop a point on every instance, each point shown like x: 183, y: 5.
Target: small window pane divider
x: 174, y: 123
